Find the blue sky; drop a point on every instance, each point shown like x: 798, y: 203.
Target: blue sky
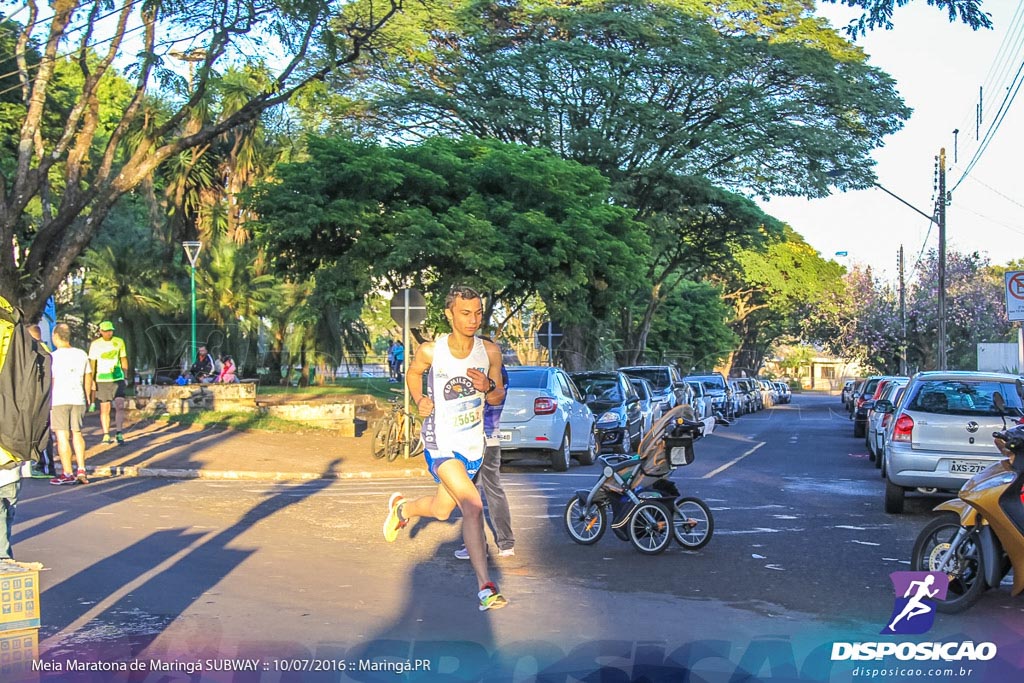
x: 938, y: 67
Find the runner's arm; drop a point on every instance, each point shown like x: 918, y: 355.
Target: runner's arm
x: 124, y: 360
x: 496, y: 396
x: 420, y: 364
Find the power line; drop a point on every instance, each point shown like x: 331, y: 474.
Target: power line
x: 990, y: 133
x: 1009, y: 227
x: 989, y: 187
x: 995, y: 88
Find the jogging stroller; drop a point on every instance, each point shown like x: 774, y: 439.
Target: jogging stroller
x: 635, y: 496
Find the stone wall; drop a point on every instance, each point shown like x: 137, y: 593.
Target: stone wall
x: 153, y: 400
x: 175, y: 400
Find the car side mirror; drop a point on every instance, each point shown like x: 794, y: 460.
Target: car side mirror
x: 885, y: 407
x: 632, y: 401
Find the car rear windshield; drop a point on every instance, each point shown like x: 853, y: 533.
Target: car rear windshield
x: 527, y: 379
x: 964, y: 397
x: 869, y: 387
x: 641, y: 390
x: 711, y: 382
x: 604, y: 388
x: 658, y: 377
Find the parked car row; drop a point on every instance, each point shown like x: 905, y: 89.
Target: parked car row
x: 562, y: 415
x: 933, y: 431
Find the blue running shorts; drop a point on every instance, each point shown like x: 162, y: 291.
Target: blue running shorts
x: 435, y: 458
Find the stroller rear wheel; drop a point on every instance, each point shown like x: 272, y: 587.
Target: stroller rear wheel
x: 586, y: 525
x: 692, y: 524
x: 650, y: 527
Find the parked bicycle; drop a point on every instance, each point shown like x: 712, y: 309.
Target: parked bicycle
x: 389, y: 438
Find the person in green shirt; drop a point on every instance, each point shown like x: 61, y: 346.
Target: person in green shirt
x: 109, y: 359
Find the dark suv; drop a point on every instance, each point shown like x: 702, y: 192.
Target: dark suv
x: 669, y: 389
x: 717, y: 390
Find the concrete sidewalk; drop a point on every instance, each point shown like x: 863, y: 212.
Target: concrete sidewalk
x: 154, y: 448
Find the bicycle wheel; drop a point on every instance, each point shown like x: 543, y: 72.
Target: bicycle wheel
x: 692, y: 523
x: 416, y: 445
x: 380, y: 437
x: 394, y: 446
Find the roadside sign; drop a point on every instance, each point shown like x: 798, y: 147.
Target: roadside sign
x: 1015, y: 295
x: 549, y: 336
x: 408, y: 308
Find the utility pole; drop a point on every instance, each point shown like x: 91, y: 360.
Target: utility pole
x: 941, y: 221
x: 903, y: 319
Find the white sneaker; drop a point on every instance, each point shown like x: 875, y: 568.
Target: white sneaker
x: 463, y: 554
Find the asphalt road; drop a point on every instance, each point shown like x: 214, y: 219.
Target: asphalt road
x: 298, y: 575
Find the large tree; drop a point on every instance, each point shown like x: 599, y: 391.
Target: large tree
x: 59, y: 186
x: 772, y: 292
x: 511, y: 221
x: 878, y: 13
x: 762, y: 99
x: 975, y: 310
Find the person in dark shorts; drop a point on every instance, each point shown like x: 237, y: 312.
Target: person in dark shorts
x: 71, y: 386
x: 109, y: 359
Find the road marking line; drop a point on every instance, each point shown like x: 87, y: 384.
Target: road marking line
x: 732, y: 462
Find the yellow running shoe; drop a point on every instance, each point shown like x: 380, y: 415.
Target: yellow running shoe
x: 490, y: 598
x: 393, y: 522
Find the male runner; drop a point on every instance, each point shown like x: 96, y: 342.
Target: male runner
x: 463, y: 372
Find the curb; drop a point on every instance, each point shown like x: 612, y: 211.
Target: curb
x: 236, y: 475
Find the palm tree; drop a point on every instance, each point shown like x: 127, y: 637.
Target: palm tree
x: 232, y: 294
x: 123, y: 283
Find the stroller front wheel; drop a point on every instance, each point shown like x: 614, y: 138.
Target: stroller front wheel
x: 650, y: 527
x: 585, y: 525
x: 692, y: 523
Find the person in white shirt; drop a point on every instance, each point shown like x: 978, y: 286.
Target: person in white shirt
x: 72, y: 374
x: 463, y: 372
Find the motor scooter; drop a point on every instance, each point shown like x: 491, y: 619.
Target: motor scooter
x: 983, y: 539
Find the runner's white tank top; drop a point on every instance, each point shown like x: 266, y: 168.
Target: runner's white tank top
x: 457, y: 424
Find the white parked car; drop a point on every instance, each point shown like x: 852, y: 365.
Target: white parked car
x: 545, y: 413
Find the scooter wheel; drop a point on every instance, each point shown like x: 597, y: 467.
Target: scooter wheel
x: 966, y: 570
x: 650, y: 527
x: 692, y: 523
x: 585, y: 525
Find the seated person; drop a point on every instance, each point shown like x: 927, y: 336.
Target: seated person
x: 202, y: 369
x: 227, y: 372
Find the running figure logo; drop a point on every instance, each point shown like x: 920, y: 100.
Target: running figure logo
x: 914, y: 608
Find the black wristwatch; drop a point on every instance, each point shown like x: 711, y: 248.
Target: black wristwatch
x: 492, y: 387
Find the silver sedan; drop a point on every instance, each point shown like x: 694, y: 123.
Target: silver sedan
x: 545, y: 413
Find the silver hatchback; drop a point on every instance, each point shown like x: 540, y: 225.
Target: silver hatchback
x: 942, y: 432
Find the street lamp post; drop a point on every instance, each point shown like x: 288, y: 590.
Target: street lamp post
x: 192, y: 250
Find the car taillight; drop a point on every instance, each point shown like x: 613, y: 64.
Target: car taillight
x: 544, y: 406
x: 903, y: 428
